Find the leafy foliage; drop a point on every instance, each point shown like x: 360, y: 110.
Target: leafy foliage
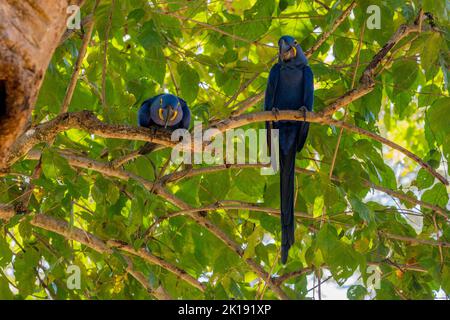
x: 198, y: 50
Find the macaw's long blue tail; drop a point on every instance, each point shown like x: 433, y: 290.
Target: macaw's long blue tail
x: 287, y: 176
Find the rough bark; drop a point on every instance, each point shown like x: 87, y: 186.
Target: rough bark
x: 29, y: 34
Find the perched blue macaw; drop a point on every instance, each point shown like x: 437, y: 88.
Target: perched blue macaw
x: 164, y: 111
x: 290, y: 87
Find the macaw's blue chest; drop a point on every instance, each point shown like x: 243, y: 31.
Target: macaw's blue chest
x: 290, y: 89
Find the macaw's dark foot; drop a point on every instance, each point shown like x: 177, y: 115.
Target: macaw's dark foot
x: 304, y: 110
x: 153, y: 130
x: 275, y: 112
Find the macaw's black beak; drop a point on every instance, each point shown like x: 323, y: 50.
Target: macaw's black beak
x: 166, y: 120
x: 287, y: 51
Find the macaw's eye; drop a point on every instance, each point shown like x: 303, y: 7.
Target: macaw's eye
x: 161, y: 114
x: 174, y: 116
x: 295, y: 42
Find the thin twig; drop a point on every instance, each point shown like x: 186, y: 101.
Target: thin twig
x: 105, y: 57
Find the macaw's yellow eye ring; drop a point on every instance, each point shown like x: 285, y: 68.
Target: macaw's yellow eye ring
x: 174, y: 116
x: 161, y: 114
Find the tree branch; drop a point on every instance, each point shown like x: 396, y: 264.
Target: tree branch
x: 327, y: 34
x: 292, y: 115
x: 87, y: 121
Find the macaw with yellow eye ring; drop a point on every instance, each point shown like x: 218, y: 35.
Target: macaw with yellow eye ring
x: 164, y: 111
x: 290, y: 87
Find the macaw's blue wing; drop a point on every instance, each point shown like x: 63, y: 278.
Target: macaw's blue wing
x: 186, y: 121
x: 144, y: 117
x: 308, y: 103
x: 145, y: 120
x: 309, y: 88
x: 269, y: 100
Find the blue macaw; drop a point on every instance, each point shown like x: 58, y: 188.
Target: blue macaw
x: 290, y: 87
x: 164, y: 111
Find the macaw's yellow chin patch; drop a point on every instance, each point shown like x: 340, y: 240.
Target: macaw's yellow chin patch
x: 291, y: 54
x: 161, y: 114
x: 174, y: 116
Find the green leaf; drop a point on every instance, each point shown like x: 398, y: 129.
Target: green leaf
x: 5, y: 253
x: 189, y: 81
x: 250, y: 182
x: 437, y: 119
x: 424, y: 179
x: 356, y: 292
x: 437, y: 195
x: 5, y: 292
x: 318, y: 206
x: 405, y: 73
x: 446, y: 279
x: 25, y: 271
x: 54, y: 166
x: 363, y: 211
x: 431, y: 54
x: 342, y: 49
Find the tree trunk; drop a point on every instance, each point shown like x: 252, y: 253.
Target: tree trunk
x: 30, y: 31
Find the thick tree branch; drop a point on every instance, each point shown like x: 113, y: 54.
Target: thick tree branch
x: 87, y: 121
x: 64, y: 229
x: 245, y: 119
x: 147, y: 256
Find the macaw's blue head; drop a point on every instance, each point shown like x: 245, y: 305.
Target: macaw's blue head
x: 290, y: 50
x: 166, y: 111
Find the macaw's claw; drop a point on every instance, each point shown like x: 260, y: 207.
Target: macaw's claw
x: 304, y: 110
